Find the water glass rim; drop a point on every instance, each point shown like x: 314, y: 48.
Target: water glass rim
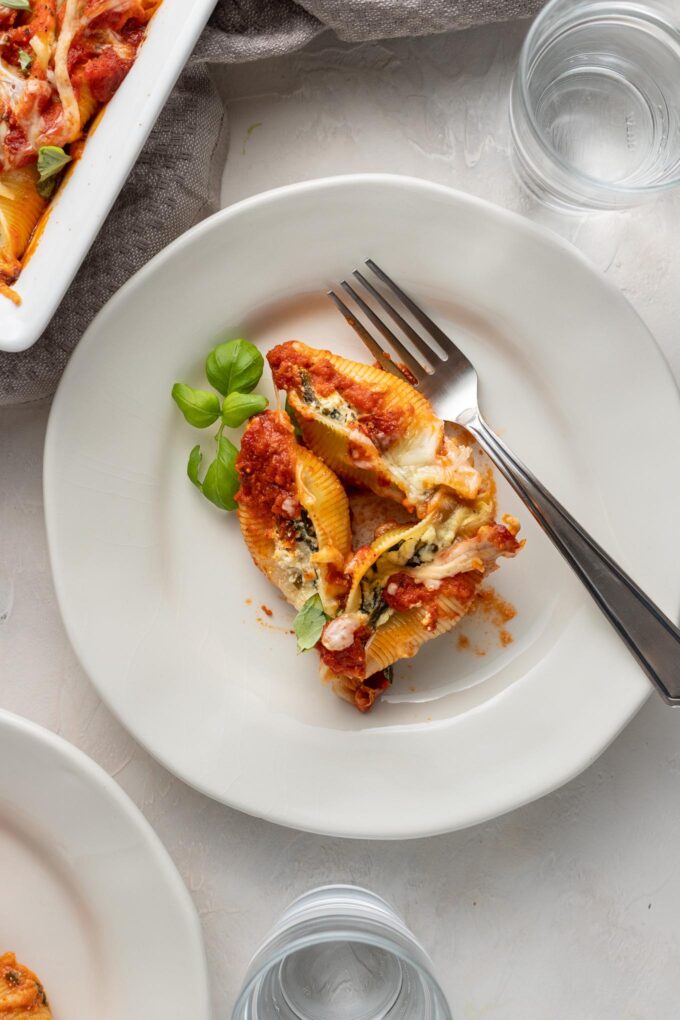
x: 304, y: 941
x: 276, y: 947
x: 521, y: 80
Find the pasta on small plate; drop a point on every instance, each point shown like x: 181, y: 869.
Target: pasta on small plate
x: 415, y: 578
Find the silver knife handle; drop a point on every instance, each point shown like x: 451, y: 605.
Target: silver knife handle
x: 652, y: 638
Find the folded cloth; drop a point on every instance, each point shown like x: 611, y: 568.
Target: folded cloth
x: 176, y: 181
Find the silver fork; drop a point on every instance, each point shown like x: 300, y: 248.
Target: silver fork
x: 449, y: 381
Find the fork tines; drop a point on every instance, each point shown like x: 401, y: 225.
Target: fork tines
x: 416, y: 363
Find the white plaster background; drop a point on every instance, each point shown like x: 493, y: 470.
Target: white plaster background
x: 567, y: 909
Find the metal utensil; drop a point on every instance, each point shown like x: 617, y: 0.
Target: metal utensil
x: 448, y: 379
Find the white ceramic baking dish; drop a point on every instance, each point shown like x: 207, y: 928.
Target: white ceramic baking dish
x: 83, y: 202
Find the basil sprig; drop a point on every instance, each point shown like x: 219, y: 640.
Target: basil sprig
x: 237, y: 407
x: 309, y: 623
x: 233, y: 369
x: 194, y: 466
x: 51, y: 161
x: 221, y: 481
x: 199, y: 407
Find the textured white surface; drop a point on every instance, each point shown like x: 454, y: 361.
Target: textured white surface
x: 565, y: 909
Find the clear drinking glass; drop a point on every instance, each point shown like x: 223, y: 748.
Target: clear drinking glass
x: 340, y: 953
x: 595, y: 102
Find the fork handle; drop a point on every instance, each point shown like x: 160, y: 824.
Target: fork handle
x: 652, y: 638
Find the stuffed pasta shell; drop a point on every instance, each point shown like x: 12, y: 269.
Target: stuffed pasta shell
x: 412, y: 583
x: 293, y: 513
x: 371, y: 427
x: 20, y: 208
x: 22, y: 997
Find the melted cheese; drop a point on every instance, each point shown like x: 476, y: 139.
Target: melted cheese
x: 42, y: 50
x: 12, y: 86
x: 339, y: 633
x: 70, y: 25
x: 419, y: 468
x: 419, y: 449
x: 468, y: 554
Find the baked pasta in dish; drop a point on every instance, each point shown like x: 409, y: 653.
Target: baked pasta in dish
x: 22, y: 997
x: 421, y: 567
x: 60, y: 62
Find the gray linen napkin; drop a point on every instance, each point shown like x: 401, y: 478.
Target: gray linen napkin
x: 176, y: 180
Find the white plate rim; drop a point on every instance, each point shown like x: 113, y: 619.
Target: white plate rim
x: 301, y: 819
x: 132, y: 818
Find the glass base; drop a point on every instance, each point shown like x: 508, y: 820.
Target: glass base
x: 341, y: 981
x: 340, y: 953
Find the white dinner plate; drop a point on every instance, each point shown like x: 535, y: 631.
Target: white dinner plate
x: 90, y: 899
x: 158, y: 592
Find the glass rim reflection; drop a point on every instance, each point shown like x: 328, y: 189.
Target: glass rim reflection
x: 519, y: 91
x: 275, y: 948
x: 338, y: 935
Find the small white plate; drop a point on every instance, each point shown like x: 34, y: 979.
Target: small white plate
x: 90, y: 899
x: 153, y: 581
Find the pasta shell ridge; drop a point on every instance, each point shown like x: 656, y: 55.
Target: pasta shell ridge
x: 323, y: 497
x: 20, y: 209
x: 300, y: 563
x: 405, y: 633
x: 372, y: 427
x: 364, y: 558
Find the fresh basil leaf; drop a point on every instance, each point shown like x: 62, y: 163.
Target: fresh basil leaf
x: 51, y: 160
x: 200, y: 407
x: 16, y: 5
x: 234, y: 366
x: 239, y: 406
x: 46, y: 188
x: 291, y: 414
x: 309, y: 623
x: 221, y: 481
x: 193, y: 467
x: 25, y: 60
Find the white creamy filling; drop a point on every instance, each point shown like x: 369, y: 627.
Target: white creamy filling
x: 296, y: 563
x: 334, y: 402
x: 339, y: 633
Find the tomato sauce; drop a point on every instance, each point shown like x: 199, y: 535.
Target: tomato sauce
x: 348, y: 661
x: 105, y: 72
x: 410, y: 593
x: 370, y: 690
x: 382, y: 425
x: 266, y: 466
